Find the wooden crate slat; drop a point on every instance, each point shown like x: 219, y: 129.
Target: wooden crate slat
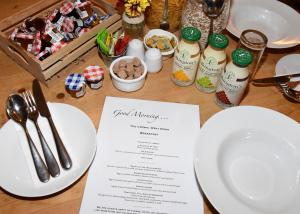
x: 23, y: 14
x: 51, y: 66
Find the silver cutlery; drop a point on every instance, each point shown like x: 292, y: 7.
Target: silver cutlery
x: 63, y: 155
x: 275, y: 80
x: 33, y: 115
x: 289, y: 92
x: 164, y: 24
x: 17, y: 110
x: 212, y: 9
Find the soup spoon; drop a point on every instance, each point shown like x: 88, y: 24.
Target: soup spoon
x: 16, y: 110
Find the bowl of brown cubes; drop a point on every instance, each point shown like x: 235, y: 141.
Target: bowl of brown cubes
x: 128, y: 73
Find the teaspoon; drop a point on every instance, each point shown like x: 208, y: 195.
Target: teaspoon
x: 16, y: 110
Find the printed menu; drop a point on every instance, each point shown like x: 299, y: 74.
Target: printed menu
x: 144, y: 159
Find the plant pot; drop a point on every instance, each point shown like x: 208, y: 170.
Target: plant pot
x: 133, y: 26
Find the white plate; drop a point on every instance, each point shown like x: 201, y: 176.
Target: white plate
x: 289, y: 64
x: 247, y: 160
x: 79, y: 136
x: 279, y: 22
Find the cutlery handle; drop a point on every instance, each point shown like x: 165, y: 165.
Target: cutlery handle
x: 49, y: 157
x: 63, y: 155
x: 39, y: 164
x: 165, y: 10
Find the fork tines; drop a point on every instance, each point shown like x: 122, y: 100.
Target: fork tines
x: 29, y: 99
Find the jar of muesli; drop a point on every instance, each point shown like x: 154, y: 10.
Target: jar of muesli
x: 193, y: 15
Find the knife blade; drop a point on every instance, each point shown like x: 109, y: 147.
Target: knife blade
x: 42, y: 106
x: 275, y: 80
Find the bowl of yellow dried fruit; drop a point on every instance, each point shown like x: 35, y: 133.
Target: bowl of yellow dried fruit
x: 163, y: 40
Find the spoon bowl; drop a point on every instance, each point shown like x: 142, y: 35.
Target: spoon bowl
x: 212, y: 9
x: 16, y: 109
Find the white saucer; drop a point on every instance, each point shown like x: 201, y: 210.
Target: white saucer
x: 289, y: 64
x: 17, y: 171
x: 247, y: 160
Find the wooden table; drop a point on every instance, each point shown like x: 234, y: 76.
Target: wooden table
x: 157, y: 87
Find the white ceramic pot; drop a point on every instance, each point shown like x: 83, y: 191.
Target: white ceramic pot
x: 127, y: 85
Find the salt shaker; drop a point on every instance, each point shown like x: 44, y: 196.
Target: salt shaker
x: 136, y: 48
x: 153, y: 60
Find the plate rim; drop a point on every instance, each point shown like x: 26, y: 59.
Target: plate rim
x: 235, y: 32
x: 80, y: 172
x: 205, y: 175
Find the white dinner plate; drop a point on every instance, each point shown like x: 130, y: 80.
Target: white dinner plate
x: 247, y: 161
x: 279, y: 22
x: 17, y: 170
x: 289, y: 64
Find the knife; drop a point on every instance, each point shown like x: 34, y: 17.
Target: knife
x: 275, y: 80
x: 38, y: 95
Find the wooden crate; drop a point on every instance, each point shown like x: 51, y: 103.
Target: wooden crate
x: 52, y: 65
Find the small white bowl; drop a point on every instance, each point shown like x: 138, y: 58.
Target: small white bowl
x: 159, y: 32
x: 127, y: 85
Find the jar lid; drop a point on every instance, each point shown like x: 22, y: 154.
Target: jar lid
x: 67, y: 7
x: 191, y: 34
x: 218, y: 40
x: 241, y: 57
x: 93, y: 73
x: 90, y: 20
x: 74, y: 82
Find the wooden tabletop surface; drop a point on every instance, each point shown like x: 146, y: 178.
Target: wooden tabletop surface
x: 157, y: 87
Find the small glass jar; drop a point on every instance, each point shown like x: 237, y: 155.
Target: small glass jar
x: 186, y: 57
x: 84, y: 9
x: 234, y: 79
x: 75, y: 85
x: 133, y: 26
x: 94, y: 76
x: 212, y: 63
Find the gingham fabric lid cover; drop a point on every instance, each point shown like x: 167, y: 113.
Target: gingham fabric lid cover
x: 67, y: 7
x: 93, y: 73
x: 74, y: 82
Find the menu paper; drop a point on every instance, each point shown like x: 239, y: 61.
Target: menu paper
x: 144, y: 162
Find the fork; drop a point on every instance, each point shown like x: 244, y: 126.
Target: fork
x: 289, y: 92
x: 33, y: 115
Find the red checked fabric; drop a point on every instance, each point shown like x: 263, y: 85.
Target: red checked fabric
x: 58, y: 45
x: 43, y: 53
x: 24, y: 36
x: 52, y: 16
x: 68, y: 25
x: 67, y: 8
x: 93, y: 73
x: 37, y: 44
